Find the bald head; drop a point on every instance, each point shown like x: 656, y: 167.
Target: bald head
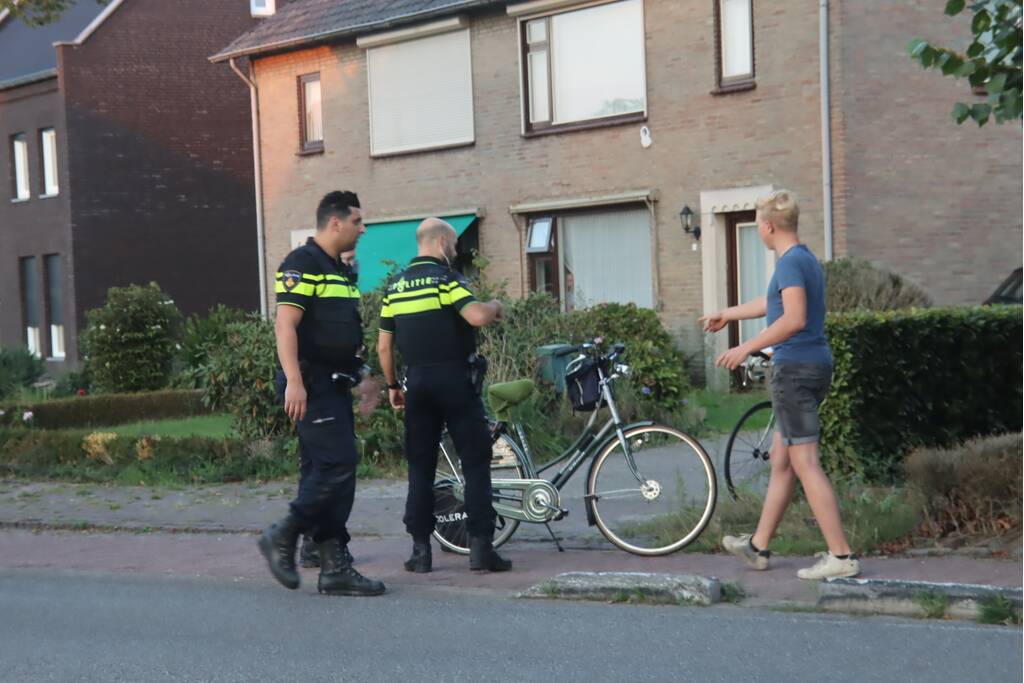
x: 431, y: 229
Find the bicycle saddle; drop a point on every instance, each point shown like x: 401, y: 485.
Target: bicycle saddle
x: 505, y: 395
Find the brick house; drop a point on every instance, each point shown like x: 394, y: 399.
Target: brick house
x: 567, y: 137
x: 125, y: 157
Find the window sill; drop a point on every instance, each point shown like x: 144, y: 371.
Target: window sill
x: 49, y: 196
x: 625, y: 119
x: 310, y: 151
x: 21, y: 200
x: 736, y: 86
x: 55, y: 359
x: 422, y: 150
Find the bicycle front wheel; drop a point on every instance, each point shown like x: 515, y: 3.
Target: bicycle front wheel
x: 450, y: 518
x: 747, y: 452
x: 665, y: 504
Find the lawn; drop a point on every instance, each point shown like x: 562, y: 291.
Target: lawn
x: 212, y: 426
x: 723, y: 410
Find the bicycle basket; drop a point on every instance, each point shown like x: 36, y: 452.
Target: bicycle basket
x: 582, y: 384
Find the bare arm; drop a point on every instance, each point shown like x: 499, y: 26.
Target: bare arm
x: 479, y: 314
x: 756, y: 308
x: 792, y: 320
x: 286, y: 326
x: 385, y: 351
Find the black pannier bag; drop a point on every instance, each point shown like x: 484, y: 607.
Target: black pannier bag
x: 583, y: 385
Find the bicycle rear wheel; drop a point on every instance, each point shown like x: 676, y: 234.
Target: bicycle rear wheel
x: 746, y: 462
x: 670, y: 508
x: 449, y: 511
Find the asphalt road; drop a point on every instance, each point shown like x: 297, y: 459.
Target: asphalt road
x: 78, y: 626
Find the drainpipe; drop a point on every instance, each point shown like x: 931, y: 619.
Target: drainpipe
x: 826, y: 126
x: 258, y: 177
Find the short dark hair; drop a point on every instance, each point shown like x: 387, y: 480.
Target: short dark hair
x: 338, y: 203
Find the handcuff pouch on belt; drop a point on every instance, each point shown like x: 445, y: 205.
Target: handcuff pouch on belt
x: 477, y: 372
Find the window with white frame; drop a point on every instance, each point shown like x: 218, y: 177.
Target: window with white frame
x: 54, y: 304
x: 30, y: 303
x: 48, y: 146
x: 19, y: 164
x: 421, y: 93
x: 583, y: 258
x: 311, y: 114
x: 734, y: 19
x: 584, y: 65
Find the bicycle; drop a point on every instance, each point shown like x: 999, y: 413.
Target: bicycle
x: 748, y: 449
x: 650, y: 488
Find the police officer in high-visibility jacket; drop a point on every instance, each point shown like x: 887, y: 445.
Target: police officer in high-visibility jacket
x: 430, y: 312
x: 319, y: 334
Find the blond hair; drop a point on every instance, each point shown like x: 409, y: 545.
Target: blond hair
x: 780, y: 209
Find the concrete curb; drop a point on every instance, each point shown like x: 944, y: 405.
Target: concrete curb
x: 623, y: 586
x: 90, y: 527
x: 905, y: 598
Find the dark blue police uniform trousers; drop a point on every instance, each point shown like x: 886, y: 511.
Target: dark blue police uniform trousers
x: 327, y: 457
x: 437, y: 395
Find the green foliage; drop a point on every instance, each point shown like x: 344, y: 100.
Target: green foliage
x: 18, y: 368
x: 73, y: 383
x: 992, y: 60
x: 40, y: 12
x: 853, y: 284
x: 129, y: 342
x: 202, y: 336
x: 104, y: 409
x: 107, y: 457
x: 906, y: 379
x: 239, y: 377
x: 998, y: 610
x: 970, y: 489
x: 933, y: 605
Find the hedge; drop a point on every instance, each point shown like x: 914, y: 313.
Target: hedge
x: 105, y: 409
x: 926, y: 378
x: 69, y: 455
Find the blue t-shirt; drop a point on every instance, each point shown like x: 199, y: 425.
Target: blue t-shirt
x: 798, y: 267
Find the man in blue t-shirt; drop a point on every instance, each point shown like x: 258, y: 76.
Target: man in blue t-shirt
x: 801, y: 375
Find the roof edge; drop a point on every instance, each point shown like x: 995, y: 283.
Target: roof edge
x: 348, y: 31
x: 28, y: 78
x: 97, y: 21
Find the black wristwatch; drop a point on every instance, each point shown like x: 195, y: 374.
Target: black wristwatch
x: 394, y: 387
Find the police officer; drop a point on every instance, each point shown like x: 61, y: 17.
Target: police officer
x: 433, y: 316
x: 319, y: 333
x: 309, y: 557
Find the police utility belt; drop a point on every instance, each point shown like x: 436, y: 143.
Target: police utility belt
x: 346, y: 379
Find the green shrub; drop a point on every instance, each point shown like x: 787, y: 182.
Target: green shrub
x: 106, y: 457
x: 105, y: 409
x: 129, y: 342
x: 73, y: 383
x: 853, y: 284
x: 18, y: 368
x: 906, y: 379
x: 970, y: 489
x: 239, y: 377
x: 202, y: 336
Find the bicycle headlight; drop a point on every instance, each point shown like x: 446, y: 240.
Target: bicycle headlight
x: 622, y: 369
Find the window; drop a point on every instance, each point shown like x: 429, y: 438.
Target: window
x: 592, y: 257
x: 48, y: 145
x: 262, y: 8
x: 311, y: 116
x: 421, y: 94
x: 752, y: 259
x: 585, y: 65
x: 734, y: 45
x: 30, y: 303
x: 54, y: 304
x: 19, y: 162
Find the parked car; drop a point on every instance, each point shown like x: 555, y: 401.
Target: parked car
x: 1007, y: 293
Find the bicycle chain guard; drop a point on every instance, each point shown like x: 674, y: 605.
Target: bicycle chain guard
x: 539, y: 500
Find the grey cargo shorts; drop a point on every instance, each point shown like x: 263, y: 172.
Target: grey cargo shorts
x: 797, y: 391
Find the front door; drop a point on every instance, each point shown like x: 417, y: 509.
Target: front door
x: 749, y: 263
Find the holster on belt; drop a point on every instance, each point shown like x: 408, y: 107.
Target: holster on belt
x: 477, y: 372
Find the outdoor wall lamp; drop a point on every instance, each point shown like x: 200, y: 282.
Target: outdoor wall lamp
x: 686, y: 218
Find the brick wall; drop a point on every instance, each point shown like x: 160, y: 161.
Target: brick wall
x: 937, y: 202
x: 161, y: 156
x: 36, y: 227
x: 701, y: 142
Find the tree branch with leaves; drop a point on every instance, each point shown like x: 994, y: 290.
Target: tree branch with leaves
x: 40, y: 12
x: 992, y: 62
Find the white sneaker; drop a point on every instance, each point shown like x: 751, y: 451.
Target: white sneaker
x: 741, y: 548
x: 831, y: 567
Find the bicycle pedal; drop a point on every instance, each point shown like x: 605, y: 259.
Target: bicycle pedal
x: 561, y: 514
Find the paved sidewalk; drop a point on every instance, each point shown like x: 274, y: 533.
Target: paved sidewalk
x: 214, y: 531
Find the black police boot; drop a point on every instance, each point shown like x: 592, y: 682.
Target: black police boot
x: 338, y: 576
x: 309, y: 556
x: 484, y: 558
x: 420, y: 561
x: 277, y: 543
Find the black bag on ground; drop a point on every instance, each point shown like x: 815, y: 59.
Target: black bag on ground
x: 583, y: 386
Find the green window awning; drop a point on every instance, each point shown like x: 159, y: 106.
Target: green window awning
x: 385, y: 246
